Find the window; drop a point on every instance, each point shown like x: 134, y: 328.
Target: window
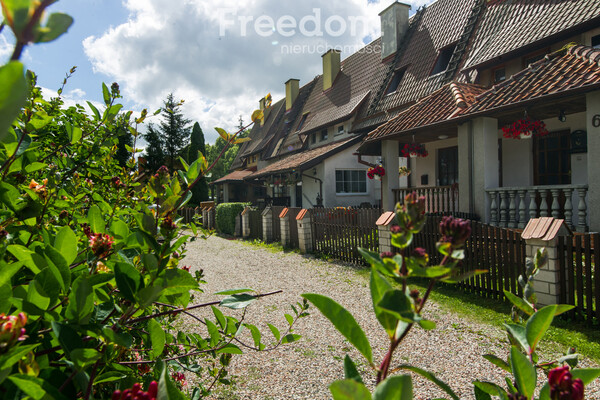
x: 340, y: 130
x: 533, y: 59
x: 499, y: 75
x: 302, y: 121
x: 596, y: 42
x: 443, y: 59
x: 350, y: 181
x: 552, y: 157
x: 313, y: 138
x: 396, y: 79
x: 324, y: 134
x: 448, y: 166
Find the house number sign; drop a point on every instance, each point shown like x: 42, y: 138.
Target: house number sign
x: 596, y: 120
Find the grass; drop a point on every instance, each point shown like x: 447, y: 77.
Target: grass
x: 561, y: 335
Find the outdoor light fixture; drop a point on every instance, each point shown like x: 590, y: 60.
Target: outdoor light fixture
x: 562, y: 117
x: 442, y: 137
x: 314, y: 171
x: 299, y: 183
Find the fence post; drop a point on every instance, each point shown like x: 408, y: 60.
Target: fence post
x: 267, y: 222
x: 284, y: 224
x: 246, y: 222
x: 385, y: 236
x: 211, y: 218
x: 304, y: 231
x: 540, y: 233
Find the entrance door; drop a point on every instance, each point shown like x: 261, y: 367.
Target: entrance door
x: 552, y: 157
x: 448, y: 166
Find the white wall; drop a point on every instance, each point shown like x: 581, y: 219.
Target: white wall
x: 428, y: 165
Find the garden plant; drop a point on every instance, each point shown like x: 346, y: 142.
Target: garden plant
x: 93, y: 285
x: 400, y: 309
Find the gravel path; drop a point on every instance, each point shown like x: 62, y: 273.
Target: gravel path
x: 304, y: 370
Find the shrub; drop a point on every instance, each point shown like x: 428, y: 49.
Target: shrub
x: 225, y: 216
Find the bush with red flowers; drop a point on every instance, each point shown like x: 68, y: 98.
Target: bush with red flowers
x: 376, y: 172
x: 414, y: 150
x: 524, y: 128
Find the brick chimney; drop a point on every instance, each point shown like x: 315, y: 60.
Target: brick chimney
x: 331, y: 67
x: 292, y: 88
x: 394, y: 23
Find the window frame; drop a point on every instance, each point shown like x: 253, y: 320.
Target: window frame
x: 324, y: 135
x: 443, y: 51
x: 363, y: 175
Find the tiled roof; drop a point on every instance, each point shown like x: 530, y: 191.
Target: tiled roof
x: 577, y: 68
x: 306, y: 159
x: 351, y: 86
x: 441, y: 105
x: 235, y: 176
x: 512, y: 24
x: 440, y: 26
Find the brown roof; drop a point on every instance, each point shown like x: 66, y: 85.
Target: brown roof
x: 577, y: 68
x: 306, y: 159
x: 507, y: 26
x: 351, y: 87
x: 441, y: 105
x: 546, y: 228
x: 235, y: 176
x: 441, y: 25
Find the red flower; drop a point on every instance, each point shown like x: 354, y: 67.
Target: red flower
x: 562, y: 385
x: 414, y: 150
x: 455, y: 231
x: 136, y: 393
x: 100, y: 243
x: 12, y: 330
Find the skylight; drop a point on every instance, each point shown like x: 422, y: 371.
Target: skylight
x: 443, y: 59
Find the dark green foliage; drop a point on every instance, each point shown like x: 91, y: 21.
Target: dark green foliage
x: 123, y: 155
x: 222, y: 166
x: 225, y: 216
x: 155, y: 157
x: 200, y: 191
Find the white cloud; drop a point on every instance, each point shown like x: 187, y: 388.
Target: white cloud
x: 164, y: 48
x: 6, y: 48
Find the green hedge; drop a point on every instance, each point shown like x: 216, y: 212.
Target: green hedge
x: 225, y: 216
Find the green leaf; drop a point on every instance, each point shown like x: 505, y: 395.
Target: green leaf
x: 523, y: 371
x: 157, y: 337
x: 518, y: 333
x: 562, y: 308
x: 119, y: 229
x: 35, y: 166
x: 235, y: 291
x: 7, y: 271
x: 66, y: 243
x: 85, y: 357
x: 344, y: 323
x: 519, y: 303
x: 538, y: 324
x: 13, y: 94
x: 121, y: 338
x: 95, y: 219
x: 58, y: 23
x: 290, y: 338
x: 498, y: 362
x: 480, y: 394
x: 587, y: 375
x: 8, y: 194
x: 427, y: 325
x: 398, y: 303
x: 428, y: 375
x: 111, y: 376
x: 29, y: 385
x: 349, y: 389
x: 491, y: 389
x: 230, y: 348
x: 379, y: 286
x: 111, y: 112
x: 256, y: 335
x: 394, y: 388
x: 219, y: 317
x: 106, y: 94
x: 67, y: 337
x: 128, y: 280
x: 94, y: 110
x: 167, y: 389
x: 81, y: 301
x: 275, y: 332
x: 15, y: 354
x: 350, y: 370
x: 58, y: 265
x: 238, y: 301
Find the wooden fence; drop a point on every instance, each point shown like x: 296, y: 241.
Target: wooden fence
x: 256, y: 227
x: 293, y: 213
x: 499, y: 251
x: 187, y: 213
x: 338, y: 232
x: 276, y: 223
x: 579, y: 270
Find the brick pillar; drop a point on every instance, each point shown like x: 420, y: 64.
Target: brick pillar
x: 385, y: 236
x: 543, y: 233
x: 246, y: 222
x: 305, y: 241
x: 267, y: 221
x: 284, y: 223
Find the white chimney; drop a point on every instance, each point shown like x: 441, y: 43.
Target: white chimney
x: 394, y: 23
x: 292, y: 88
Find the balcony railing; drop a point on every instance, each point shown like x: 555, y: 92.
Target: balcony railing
x: 438, y: 199
x: 513, y: 207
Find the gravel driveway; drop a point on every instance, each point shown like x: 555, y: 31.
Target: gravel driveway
x: 304, y: 370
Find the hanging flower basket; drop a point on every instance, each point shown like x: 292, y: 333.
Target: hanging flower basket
x: 524, y: 128
x: 376, y: 172
x: 403, y: 171
x: 414, y: 150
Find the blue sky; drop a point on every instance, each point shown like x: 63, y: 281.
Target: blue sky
x: 200, y: 50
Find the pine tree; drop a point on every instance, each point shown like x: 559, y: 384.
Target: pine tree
x: 197, y: 144
x: 123, y: 155
x: 155, y: 157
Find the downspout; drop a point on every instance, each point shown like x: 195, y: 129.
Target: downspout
x: 471, y: 172
x: 361, y: 161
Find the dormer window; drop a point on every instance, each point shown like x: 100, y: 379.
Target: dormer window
x: 443, y: 59
x: 596, y: 42
x: 313, y: 138
x: 340, y: 130
x: 302, y: 121
x: 498, y: 75
x: 396, y: 79
x: 324, y: 134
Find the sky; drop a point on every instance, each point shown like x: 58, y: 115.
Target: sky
x: 220, y: 57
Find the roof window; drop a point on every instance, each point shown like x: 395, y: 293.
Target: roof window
x: 396, y: 79
x: 302, y: 121
x: 443, y: 59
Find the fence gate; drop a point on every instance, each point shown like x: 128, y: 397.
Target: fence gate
x: 256, y: 228
x: 276, y: 210
x: 293, y: 213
